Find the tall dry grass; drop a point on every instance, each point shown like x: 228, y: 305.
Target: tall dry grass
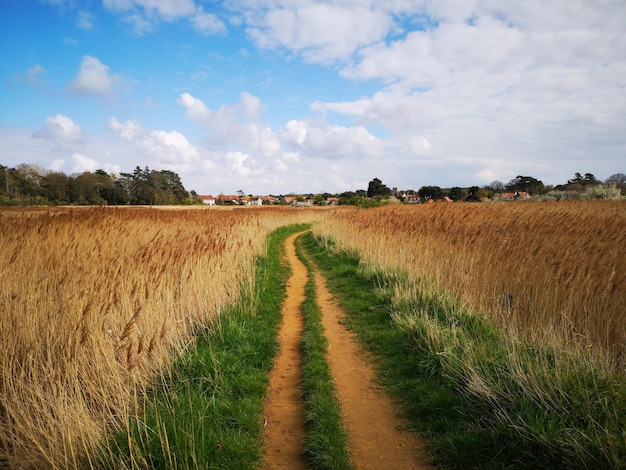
x: 94, y: 303
x: 549, y: 271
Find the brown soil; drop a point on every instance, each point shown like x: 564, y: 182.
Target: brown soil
x: 370, y: 418
x: 284, y: 410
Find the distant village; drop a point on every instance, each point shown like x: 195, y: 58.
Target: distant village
x: 322, y: 200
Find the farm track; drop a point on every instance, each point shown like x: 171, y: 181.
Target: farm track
x: 376, y: 439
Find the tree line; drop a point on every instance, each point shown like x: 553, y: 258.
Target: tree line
x: 580, y: 185
x: 32, y: 185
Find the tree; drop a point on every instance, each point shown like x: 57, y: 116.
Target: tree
x: 497, y: 186
x: 58, y: 186
x: 527, y: 184
x: 474, y: 195
x: 84, y: 189
x: 319, y: 200
x: 377, y: 188
x: 619, y: 180
x: 431, y: 192
x: 456, y: 193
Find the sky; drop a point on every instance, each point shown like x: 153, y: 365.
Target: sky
x: 311, y: 96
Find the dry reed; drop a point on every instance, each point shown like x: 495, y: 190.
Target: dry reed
x: 549, y: 271
x: 95, y: 302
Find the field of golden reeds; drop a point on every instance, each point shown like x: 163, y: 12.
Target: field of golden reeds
x: 546, y: 271
x: 96, y: 302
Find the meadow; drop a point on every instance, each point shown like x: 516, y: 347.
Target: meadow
x: 97, y: 303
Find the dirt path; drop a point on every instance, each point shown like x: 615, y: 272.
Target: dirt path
x: 369, y: 417
x: 284, y: 409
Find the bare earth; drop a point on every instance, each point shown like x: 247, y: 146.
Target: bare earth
x: 376, y: 440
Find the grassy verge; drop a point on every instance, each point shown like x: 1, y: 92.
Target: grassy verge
x: 326, y: 442
x: 485, y: 400
x: 206, y: 413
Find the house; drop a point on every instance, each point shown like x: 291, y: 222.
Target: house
x: 208, y: 200
x: 417, y: 199
x: 225, y: 200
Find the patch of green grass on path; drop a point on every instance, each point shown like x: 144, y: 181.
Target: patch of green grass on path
x: 326, y: 442
x: 206, y: 414
x: 483, y: 400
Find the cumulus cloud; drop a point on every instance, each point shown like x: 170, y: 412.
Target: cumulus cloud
x: 94, y: 78
x: 170, y: 148
x: 237, y: 161
x: 128, y: 131
x: 321, y: 32
x: 60, y: 128
x: 237, y: 124
x: 196, y: 110
x: 82, y: 163
x: 319, y: 138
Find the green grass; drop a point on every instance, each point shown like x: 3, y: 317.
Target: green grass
x: 206, y: 413
x: 484, y: 400
x: 326, y: 442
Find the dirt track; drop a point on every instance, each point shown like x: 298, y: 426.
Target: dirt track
x: 369, y: 417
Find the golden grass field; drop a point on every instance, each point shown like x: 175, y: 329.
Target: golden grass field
x: 95, y: 302
x: 548, y: 271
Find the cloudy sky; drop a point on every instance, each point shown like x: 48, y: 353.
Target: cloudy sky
x: 278, y: 96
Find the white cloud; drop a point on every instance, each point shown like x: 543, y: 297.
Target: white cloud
x: 207, y: 23
x: 321, y: 32
x: 230, y: 125
x: 57, y: 165
x: 127, y: 131
x: 169, y: 147
x: 94, y: 78
x: 291, y: 156
x: 237, y: 162
x: 60, y: 128
x: 320, y: 139
x: 163, y: 147
x: 35, y: 74
x: 84, y: 20
x: 251, y: 105
x: 82, y: 163
x: 168, y: 10
x: 196, y: 109
x: 145, y: 15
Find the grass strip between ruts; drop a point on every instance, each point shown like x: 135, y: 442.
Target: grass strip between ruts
x: 206, y: 413
x: 326, y: 442
x: 580, y: 425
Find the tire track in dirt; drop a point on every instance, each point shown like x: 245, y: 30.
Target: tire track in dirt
x: 284, y: 409
x: 375, y: 438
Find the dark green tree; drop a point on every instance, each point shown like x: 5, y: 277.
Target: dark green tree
x: 456, y: 193
x: 525, y: 183
x: 431, y: 192
x: 377, y: 188
x: 57, y: 185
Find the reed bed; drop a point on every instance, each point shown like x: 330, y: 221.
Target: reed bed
x: 546, y: 271
x: 96, y: 302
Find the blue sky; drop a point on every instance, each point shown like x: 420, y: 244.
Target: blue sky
x: 279, y: 96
